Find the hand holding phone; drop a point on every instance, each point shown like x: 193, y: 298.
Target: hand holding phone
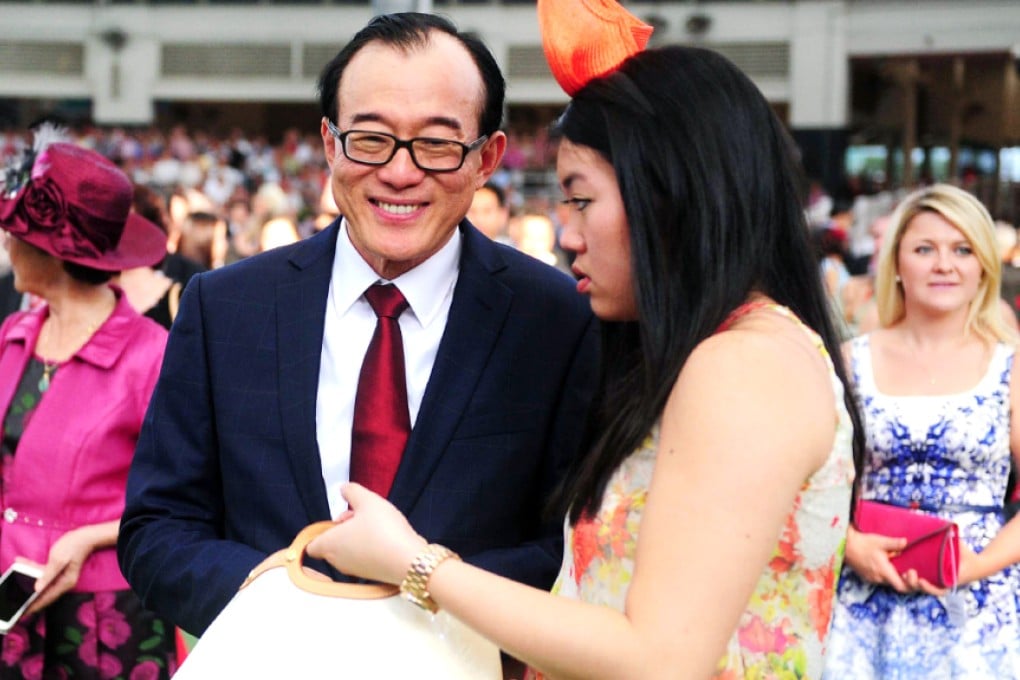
x: 17, y: 592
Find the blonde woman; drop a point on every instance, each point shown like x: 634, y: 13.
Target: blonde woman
x: 937, y: 386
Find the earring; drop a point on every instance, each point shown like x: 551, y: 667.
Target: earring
x: 898, y: 279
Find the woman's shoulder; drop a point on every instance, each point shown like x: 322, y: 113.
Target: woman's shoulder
x: 766, y: 373
x: 135, y: 340
x: 766, y: 328
x: 135, y: 326
x: 150, y: 331
x: 883, y: 334
x: 764, y: 349
x: 22, y: 324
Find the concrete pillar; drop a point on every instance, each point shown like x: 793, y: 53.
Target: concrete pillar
x: 121, y: 73
x: 819, y: 65
x: 956, y: 121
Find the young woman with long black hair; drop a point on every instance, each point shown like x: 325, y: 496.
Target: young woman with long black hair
x: 705, y: 526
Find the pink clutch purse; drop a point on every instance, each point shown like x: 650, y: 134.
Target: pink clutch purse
x: 933, y: 544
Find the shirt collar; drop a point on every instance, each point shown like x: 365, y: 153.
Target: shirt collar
x: 423, y: 287
x: 105, y: 345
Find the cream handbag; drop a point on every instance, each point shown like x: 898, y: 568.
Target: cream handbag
x: 284, y: 624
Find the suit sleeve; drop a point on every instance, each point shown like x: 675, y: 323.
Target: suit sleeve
x: 171, y: 546
x: 537, y: 561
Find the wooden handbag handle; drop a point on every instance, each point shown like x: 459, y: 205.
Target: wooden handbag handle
x: 293, y: 557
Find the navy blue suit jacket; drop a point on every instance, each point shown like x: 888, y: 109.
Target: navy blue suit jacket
x: 227, y: 468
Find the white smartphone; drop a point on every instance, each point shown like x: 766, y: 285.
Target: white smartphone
x: 17, y: 591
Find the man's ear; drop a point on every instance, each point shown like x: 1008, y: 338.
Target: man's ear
x: 492, y: 155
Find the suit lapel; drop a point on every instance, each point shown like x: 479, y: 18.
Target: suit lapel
x: 477, y: 313
x: 300, y: 314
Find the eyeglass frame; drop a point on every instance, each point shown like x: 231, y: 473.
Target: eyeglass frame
x: 399, y: 144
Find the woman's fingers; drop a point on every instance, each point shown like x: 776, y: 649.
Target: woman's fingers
x: 66, y: 579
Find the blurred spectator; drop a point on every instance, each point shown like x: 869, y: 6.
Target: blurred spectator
x: 148, y: 289
x: 204, y: 239
x: 184, y: 202
x: 279, y: 231
x: 241, y: 230
x: 327, y: 210
x: 1006, y: 238
x: 866, y: 208
x: 858, y: 298
x: 181, y: 145
x: 1009, y: 252
x: 830, y: 243
x: 269, y: 201
x: 220, y: 183
x: 830, y: 247
x: 165, y: 172
x: 515, y: 157
x: 537, y: 237
x: 819, y: 205
x: 490, y: 213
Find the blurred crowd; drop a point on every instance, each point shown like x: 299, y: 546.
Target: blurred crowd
x: 231, y: 196
x: 226, y: 197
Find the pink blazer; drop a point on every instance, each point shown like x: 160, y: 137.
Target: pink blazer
x: 70, y: 468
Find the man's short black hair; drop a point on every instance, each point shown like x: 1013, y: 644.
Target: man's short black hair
x: 409, y: 30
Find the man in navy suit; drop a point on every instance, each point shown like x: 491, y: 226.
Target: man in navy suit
x: 248, y: 436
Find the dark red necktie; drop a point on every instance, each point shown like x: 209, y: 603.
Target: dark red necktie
x: 382, y: 422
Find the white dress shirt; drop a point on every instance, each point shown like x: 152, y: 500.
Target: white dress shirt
x: 350, y: 323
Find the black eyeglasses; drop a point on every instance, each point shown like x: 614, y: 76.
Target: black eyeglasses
x: 428, y: 153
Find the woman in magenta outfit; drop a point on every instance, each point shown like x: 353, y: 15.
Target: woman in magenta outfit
x: 76, y: 375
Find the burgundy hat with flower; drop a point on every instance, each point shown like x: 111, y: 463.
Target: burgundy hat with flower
x: 75, y: 204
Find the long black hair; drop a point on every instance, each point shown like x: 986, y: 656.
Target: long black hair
x: 709, y: 183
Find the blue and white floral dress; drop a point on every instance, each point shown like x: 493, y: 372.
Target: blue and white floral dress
x: 947, y: 455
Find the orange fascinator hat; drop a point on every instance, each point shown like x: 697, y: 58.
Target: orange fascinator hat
x: 585, y: 39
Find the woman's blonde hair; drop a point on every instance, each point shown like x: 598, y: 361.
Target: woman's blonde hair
x: 966, y: 213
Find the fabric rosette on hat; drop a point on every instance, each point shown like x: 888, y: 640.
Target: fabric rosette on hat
x: 75, y: 204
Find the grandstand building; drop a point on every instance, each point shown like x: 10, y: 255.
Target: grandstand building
x: 934, y: 77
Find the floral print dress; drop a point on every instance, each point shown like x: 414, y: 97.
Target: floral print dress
x: 784, y: 629
x: 949, y: 456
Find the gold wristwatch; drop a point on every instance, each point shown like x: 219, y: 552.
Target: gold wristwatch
x: 415, y: 586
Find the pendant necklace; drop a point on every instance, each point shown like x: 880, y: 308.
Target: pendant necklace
x: 926, y: 368
x: 49, y: 367
x: 44, y: 381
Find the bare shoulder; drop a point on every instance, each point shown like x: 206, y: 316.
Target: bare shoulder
x: 764, y: 346
x: 885, y: 343
x: 767, y: 376
x: 883, y: 337
x: 767, y: 357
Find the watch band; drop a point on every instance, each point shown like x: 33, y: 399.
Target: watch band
x: 414, y: 587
